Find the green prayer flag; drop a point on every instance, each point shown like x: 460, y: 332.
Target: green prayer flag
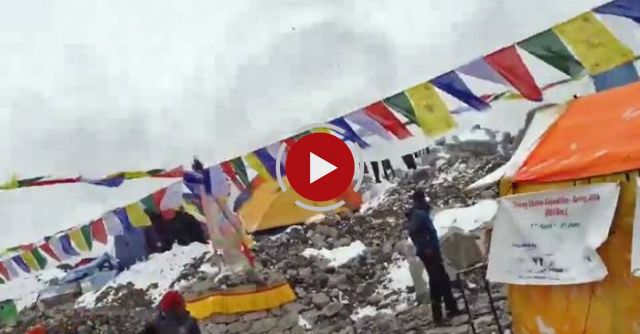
x: 548, y: 47
x: 241, y: 170
x: 149, y: 204
x: 400, y: 103
x: 86, y: 233
x: 40, y: 259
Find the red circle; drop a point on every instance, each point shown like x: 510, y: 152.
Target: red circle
x: 332, y: 150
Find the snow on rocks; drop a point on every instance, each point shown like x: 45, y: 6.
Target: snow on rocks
x: 337, y: 256
x: 25, y: 288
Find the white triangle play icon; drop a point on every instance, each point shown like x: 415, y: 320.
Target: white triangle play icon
x: 318, y: 168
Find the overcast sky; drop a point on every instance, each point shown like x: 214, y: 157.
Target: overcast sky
x: 95, y: 87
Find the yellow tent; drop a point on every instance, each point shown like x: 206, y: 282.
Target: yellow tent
x: 595, y: 140
x: 268, y: 207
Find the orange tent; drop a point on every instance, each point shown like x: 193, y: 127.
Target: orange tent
x: 597, y: 139
x: 268, y: 207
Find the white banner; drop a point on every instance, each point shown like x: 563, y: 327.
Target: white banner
x: 635, y: 244
x: 551, y: 237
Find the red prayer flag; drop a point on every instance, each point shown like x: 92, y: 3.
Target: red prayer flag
x: 509, y: 64
x: 158, y: 196
x: 227, y: 168
x: 380, y: 113
x: 4, y: 272
x: 98, y: 231
x: 176, y: 172
x: 47, y: 249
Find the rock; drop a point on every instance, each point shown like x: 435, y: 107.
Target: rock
x: 293, y: 308
x: 288, y: 321
x: 263, y: 325
x: 305, y: 273
x: 238, y: 327
x: 311, y: 316
x: 253, y: 316
x: 374, y: 300
x: 320, y: 299
x: 332, y: 309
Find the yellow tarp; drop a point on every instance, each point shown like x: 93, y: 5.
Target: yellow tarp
x: 268, y: 207
x: 237, y: 303
x: 431, y: 111
x: 608, y: 307
x: 594, y: 45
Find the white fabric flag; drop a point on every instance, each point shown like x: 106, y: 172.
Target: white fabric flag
x: 173, y: 197
x: 551, y: 237
x: 635, y: 244
x: 54, y: 242
x: 112, y: 224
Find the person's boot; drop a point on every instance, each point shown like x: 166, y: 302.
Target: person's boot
x: 436, y: 314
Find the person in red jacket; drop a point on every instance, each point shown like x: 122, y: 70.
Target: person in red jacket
x: 173, y: 317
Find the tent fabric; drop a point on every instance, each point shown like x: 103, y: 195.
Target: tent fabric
x: 571, y: 149
x: 268, y: 207
x: 130, y: 247
x: 616, y: 77
x: 610, y: 306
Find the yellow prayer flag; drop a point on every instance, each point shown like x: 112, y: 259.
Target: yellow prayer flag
x: 77, y: 238
x: 135, y: 175
x: 194, y: 212
x: 30, y: 261
x: 256, y: 164
x: 11, y: 184
x: 137, y: 216
x: 430, y: 110
x: 596, y: 47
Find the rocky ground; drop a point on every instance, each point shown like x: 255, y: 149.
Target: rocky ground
x: 354, y: 297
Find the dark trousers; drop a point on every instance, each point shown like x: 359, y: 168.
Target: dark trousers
x: 439, y: 285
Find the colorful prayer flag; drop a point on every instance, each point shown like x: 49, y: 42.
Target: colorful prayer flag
x: 625, y: 8
x: 348, y: 133
x: 431, y: 111
x: 227, y: 168
x: 401, y: 104
x: 268, y: 161
x: 13, y: 272
x: 360, y: 118
x: 137, y: 216
x: 241, y: 170
x: 123, y: 218
x: 452, y: 84
x: 78, y: 239
x: 509, y: 64
x: 215, y: 182
x: 594, y: 45
x: 19, y: 261
x: 47, y: 249
x: 112, y: 224
x: 98, y: 231
x: 40, y: 259
x: 172, y: 199
x: 56, y: 245
x: 256, y: 165
x: 4, y: 272
x: 478, y: 68
x: 385, y: 117
x: 616, y: 77
x: 548, y: 47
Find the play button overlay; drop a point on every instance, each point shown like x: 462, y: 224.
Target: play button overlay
x: 320, y: 167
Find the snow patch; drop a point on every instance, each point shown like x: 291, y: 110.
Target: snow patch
x: 161, y: 269
x: 368, y: 311
x: 338, y: 256
x: 375, y: 195
x: 467, y: 219
x: 24, y: 289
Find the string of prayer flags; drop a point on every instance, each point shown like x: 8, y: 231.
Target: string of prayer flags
x: 478, y: 68
x: 381, y: 114
x: 624, y: 8
x: 548, y: 47
x: 112, y: 224
x: 430, y: 110
x: 616, y: 77
x: 595, y: 46
x: 349, y: 134
x: 137, y: 216
x: 47, y: 249
x: 19, y: 261
x: 360, y: 118
x: 79, y: 240
x: 452, y: 84
x: 509, y: 64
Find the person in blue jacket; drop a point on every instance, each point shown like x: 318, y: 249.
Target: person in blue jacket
x: 425, y: 239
